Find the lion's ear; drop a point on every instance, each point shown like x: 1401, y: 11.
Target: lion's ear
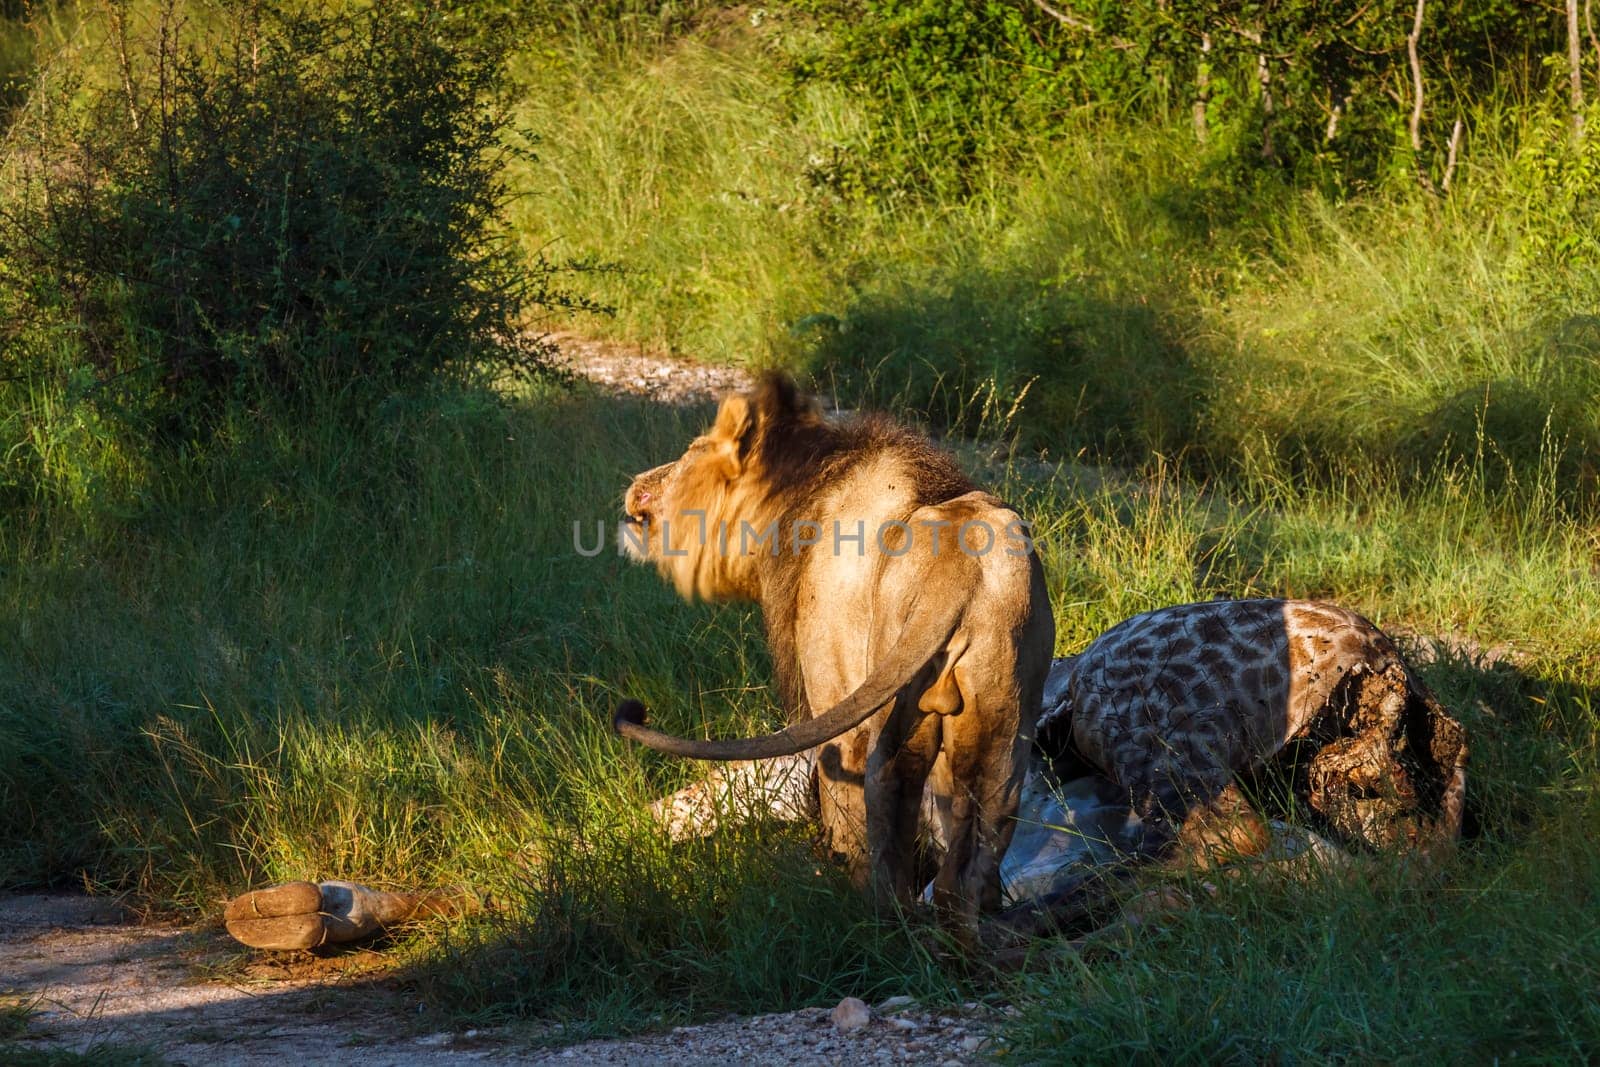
x: 733, y: 419
x: 732, y: 433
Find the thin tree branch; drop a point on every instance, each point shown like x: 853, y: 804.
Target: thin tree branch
x: 1065, y: 18
x: 1575, y: 69
x: 117, y: 15
x: 1268, y: 108
x: 1202, y: 88
x: 1080, y: 24
x: 1353, y: 19
x: 1416, y: 78
x: 1450, y: 158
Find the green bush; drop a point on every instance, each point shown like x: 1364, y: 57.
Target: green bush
x: 945, y: 86
x: 272, y: 208
x: 1320, y: 89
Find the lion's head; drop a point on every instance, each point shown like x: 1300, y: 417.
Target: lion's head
x: 700, y: 518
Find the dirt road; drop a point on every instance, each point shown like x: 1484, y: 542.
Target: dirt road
x: 76, y: 974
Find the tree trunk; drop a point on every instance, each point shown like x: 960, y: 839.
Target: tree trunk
x: 1268, y: 109
x: 1202, y: 88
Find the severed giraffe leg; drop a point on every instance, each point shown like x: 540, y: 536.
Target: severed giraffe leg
x: 305, y: 915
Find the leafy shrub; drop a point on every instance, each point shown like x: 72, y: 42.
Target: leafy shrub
x: 1323, y: 89
x: 282, y: 208
x: 945, y: 85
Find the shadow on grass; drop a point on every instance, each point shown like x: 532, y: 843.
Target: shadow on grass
x: 1060, y: 369
x: 623, y: 931
x: 995, y: 356
x: 397, y: 604
x: 607, y: 929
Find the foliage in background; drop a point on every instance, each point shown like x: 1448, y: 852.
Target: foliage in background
x: 946, y: 85
x: 1111, y: 290
x: 1321, y: 89
x: 16, y: 56
x: 265, y: 207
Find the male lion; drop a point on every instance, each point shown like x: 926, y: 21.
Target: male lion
x: 906, y: 603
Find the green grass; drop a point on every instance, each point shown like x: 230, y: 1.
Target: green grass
x: 387, y: 599
x: 409, y: 684
x: 702, y: 138
x: 1382, y: 971
x: 310, y: 650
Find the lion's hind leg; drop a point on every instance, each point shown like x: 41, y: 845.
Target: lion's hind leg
x: 897, y: 773
x: 986, y: 770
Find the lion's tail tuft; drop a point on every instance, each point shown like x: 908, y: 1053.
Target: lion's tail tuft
x: 629, y: 713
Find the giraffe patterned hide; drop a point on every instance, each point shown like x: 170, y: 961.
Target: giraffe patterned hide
x: 1176, y: 703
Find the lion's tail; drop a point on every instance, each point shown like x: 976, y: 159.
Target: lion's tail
x: 925, y: 635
